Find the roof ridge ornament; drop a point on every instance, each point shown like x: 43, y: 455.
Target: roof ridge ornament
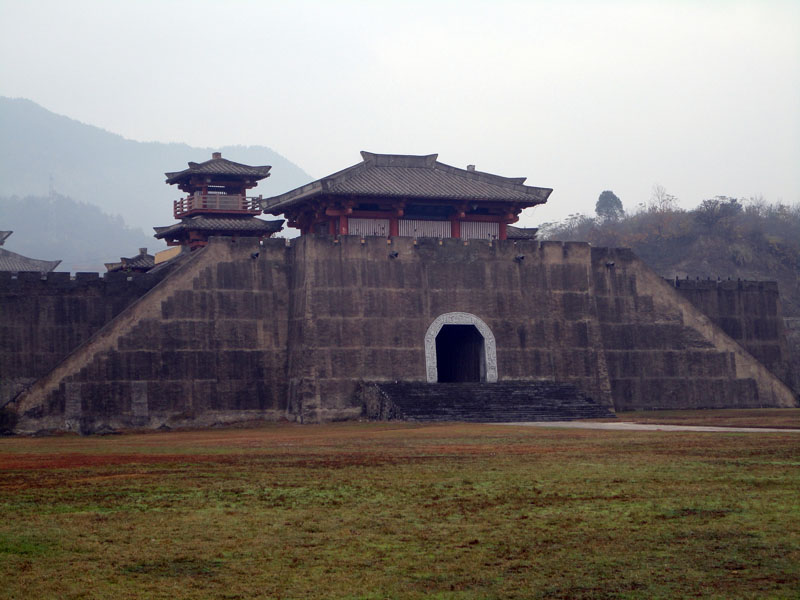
x: 399, y: 160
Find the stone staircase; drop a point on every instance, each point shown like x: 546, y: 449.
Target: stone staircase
x: 501, y: 402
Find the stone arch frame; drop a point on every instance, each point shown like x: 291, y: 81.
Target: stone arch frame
x: 460, y: 318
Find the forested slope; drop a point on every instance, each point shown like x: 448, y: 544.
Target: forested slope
x: 721, y: 238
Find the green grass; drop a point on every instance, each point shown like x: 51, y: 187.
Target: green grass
x: 401, y: 511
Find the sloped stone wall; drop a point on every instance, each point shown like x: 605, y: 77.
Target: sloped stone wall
x: 45, y: 317
x: 207, y: 345
x: 662, y: 352
x: 750, y: 313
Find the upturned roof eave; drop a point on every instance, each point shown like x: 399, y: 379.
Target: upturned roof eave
x: 12, y: 262
x: 275, y: 204
x: 258, y: 173
x: 269, y: 227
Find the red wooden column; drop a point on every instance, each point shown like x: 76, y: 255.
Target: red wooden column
x: 394, y: 219
x: 342, y: 224
x: 332, y: 226
x: 455, y: 228
x: 502, y: 233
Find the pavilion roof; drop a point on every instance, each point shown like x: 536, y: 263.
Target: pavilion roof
x: 219, y: 166
x: 11, y: 261
x: 143, y: 261
x: 412, y: 177
x: 521, y: 233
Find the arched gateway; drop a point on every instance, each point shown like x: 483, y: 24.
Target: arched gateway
x: 460, y: 347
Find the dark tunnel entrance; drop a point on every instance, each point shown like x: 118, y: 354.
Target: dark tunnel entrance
x: 460, y: 354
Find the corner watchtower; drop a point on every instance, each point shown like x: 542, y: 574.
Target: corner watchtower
x: 217, y: 186
x: 216, y: 203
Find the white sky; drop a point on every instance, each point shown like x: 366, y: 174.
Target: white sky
x: 700, y: 97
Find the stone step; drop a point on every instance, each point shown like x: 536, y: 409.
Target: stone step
x: 480, y: 402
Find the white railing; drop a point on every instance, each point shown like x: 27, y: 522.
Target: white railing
x: 424, y: 228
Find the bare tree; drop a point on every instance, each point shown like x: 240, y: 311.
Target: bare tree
x: 661, y: 201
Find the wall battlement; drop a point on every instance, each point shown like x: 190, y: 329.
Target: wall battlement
x: 29, y: 282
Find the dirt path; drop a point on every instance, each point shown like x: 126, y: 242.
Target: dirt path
x: 624, y: 426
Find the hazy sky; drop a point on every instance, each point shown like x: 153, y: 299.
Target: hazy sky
x: 700, y: 97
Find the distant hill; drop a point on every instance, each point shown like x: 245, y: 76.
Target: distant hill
x: 721, y: 238
x: 79, y: 234
x: 42, y: 152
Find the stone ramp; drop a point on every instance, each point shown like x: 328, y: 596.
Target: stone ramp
x: 479, y: 402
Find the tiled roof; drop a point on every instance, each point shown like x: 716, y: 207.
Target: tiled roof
x: 219, y: 166
x: 405, y: 176
x: 244, y: 225
x: 521, y: 233
x: 142, y: 261
x: 11, y: 261
x: 4, y: 235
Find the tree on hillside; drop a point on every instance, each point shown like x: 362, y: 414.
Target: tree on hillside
x: 712, y: 211
x: 609, y: 207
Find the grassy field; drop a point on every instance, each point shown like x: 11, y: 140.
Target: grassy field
x: 401, y: 511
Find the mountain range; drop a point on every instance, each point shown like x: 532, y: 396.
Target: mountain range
x: 52, y: 160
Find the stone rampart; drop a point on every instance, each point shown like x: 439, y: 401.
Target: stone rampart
x: 205, y: 345
x: 750, y: 313
x: 44, y: 317
x: 361, y: 310
x: 663, y: 352
x: 793, y: 343
x: 596, y: 318
x: 243, y: 330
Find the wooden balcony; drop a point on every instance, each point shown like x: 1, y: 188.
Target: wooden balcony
x: 216, y: 203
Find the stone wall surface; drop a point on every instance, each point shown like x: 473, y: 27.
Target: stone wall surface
x: 793, y: 343
x: 361, y: 310
x: 663, y: 352
x: 596, y: 318
x: 206, y: 345
x: 45, y: 317
x: 240, y: 330
x: 750, y: 313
